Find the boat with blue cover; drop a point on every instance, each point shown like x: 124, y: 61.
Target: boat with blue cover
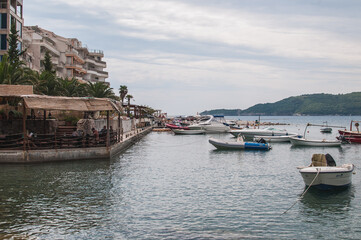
x: 240, y: 144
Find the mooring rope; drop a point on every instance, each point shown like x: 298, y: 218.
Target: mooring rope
x: 318, y: 172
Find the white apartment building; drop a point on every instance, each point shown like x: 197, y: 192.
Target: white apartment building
x: 70, y: 59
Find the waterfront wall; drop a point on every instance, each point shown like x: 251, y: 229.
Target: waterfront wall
x: 55, y: 155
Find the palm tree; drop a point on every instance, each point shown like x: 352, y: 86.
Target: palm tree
x: 100, y: 90
x: 123, y: 91
x: 71, y: 87
x: 46, y: 83
x: 128, y: 109
x: 13, y: 73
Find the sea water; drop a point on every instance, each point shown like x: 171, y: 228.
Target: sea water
x: 179, y: 187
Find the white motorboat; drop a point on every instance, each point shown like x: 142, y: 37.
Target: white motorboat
x: 240, y: 144
x: 296, y: 141
x: 285, y: 138
x: 324, y: 174
x: 325, y: 128
x: 211, y: 124
x: 249, y: 133
x: 188, y: 132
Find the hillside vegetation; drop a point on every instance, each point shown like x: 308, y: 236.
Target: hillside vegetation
x: 311, y: 104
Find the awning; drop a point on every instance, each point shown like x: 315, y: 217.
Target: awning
x: 15, y: 90
x: 69, y: 103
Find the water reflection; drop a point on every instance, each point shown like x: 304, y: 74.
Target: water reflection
x: 337, y: 201
x: 35, y: 198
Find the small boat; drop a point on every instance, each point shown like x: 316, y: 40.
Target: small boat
x: 249, y: 133
x: 240, y: 144
x: 296, y: 141
x: 350, y: 133
x: 324, y: 174
x: 188, y: 132
x: 274, y: 139
x: 174, y: 126
x: 325, y: 128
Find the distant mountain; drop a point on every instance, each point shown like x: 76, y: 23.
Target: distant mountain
x: 310, y: 104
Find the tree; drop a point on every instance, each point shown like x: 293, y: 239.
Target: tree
x: 71, y: 87
x: 129, y: 97
x: 13, y: 73
x: 46, y: 83
x: 13, y: 51
x: 48, y: 65
x: 99, y: 90
x: 123, y: 91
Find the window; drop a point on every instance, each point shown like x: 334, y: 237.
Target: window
x: 20, y: 45
x: 19, y: 10
x: 19, y: 28
x: 3, y: 41
x: 3, y: 21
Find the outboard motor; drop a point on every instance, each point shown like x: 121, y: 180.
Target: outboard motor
x: 330, y: 161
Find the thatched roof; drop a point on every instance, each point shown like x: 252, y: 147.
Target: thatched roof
x: 15, y: 90
x: 81, y: 104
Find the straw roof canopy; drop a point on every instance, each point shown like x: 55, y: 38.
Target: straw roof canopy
x: 15, y: 90
x: 81, y: 104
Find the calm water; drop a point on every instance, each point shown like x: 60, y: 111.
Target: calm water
x: 180, y: 187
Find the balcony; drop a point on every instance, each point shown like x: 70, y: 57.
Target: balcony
x: 78, y: 68
x: 97, y: 63
x: 76, y: 57
x: 48, y: 46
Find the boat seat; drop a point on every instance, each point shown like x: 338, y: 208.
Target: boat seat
x: 319, y: 160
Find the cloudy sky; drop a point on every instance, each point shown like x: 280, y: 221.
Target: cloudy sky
x: 187, y: 56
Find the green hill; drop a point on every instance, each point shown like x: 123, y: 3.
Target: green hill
x: 310, y: 104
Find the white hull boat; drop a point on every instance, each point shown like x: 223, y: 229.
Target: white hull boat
x: 212, y: 124
x: 238, y: 145
x: 274, y: 139
x: 327, y: 177
x: 314, y: 143
x: 188, y: 132
x: 249, y: 133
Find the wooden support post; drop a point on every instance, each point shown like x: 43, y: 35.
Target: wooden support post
x: 118, y: 130
x: 108, y: 132
x: 44, y: 121
x: 24, y: 126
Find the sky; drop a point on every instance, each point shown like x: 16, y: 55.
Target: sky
x: 187, y: 56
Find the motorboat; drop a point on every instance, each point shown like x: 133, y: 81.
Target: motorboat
x: 285, y: 138
x: 188, y: 132
x: 175, y: 126
x: 323, y: 173
x: 296, y: 141
x: 211, y: 124
x: 239, y: 144
x: 249, y: 133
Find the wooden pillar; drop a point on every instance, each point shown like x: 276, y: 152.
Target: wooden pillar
x: 44, y: 121
x: 118, y: 130
x: 108, y: 132
x: 24, y: 126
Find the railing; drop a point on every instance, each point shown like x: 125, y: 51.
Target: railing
x: 53, y: 141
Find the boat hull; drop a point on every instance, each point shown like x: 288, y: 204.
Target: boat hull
x: 172, y: 126
x: 188, y: 132
x: 315, y: 143
x: 251, y: 133
x: 231, y: 145
x: 328, y: 177
x: 274, y: 138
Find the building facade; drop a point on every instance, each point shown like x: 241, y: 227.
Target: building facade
x: 11, y: 12
x: 69, y: 57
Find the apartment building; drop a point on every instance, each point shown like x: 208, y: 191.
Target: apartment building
x: 69, y: 57
x: 11, y: 12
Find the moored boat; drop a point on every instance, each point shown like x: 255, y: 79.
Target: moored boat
x: 285, y: 138
x: 211, y: 124
x: 188, y: 132
x: 174, y: 126
x: 296, y: 141
x: 249, y: 133
x: 324, y: 174
x: 240, y: 144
